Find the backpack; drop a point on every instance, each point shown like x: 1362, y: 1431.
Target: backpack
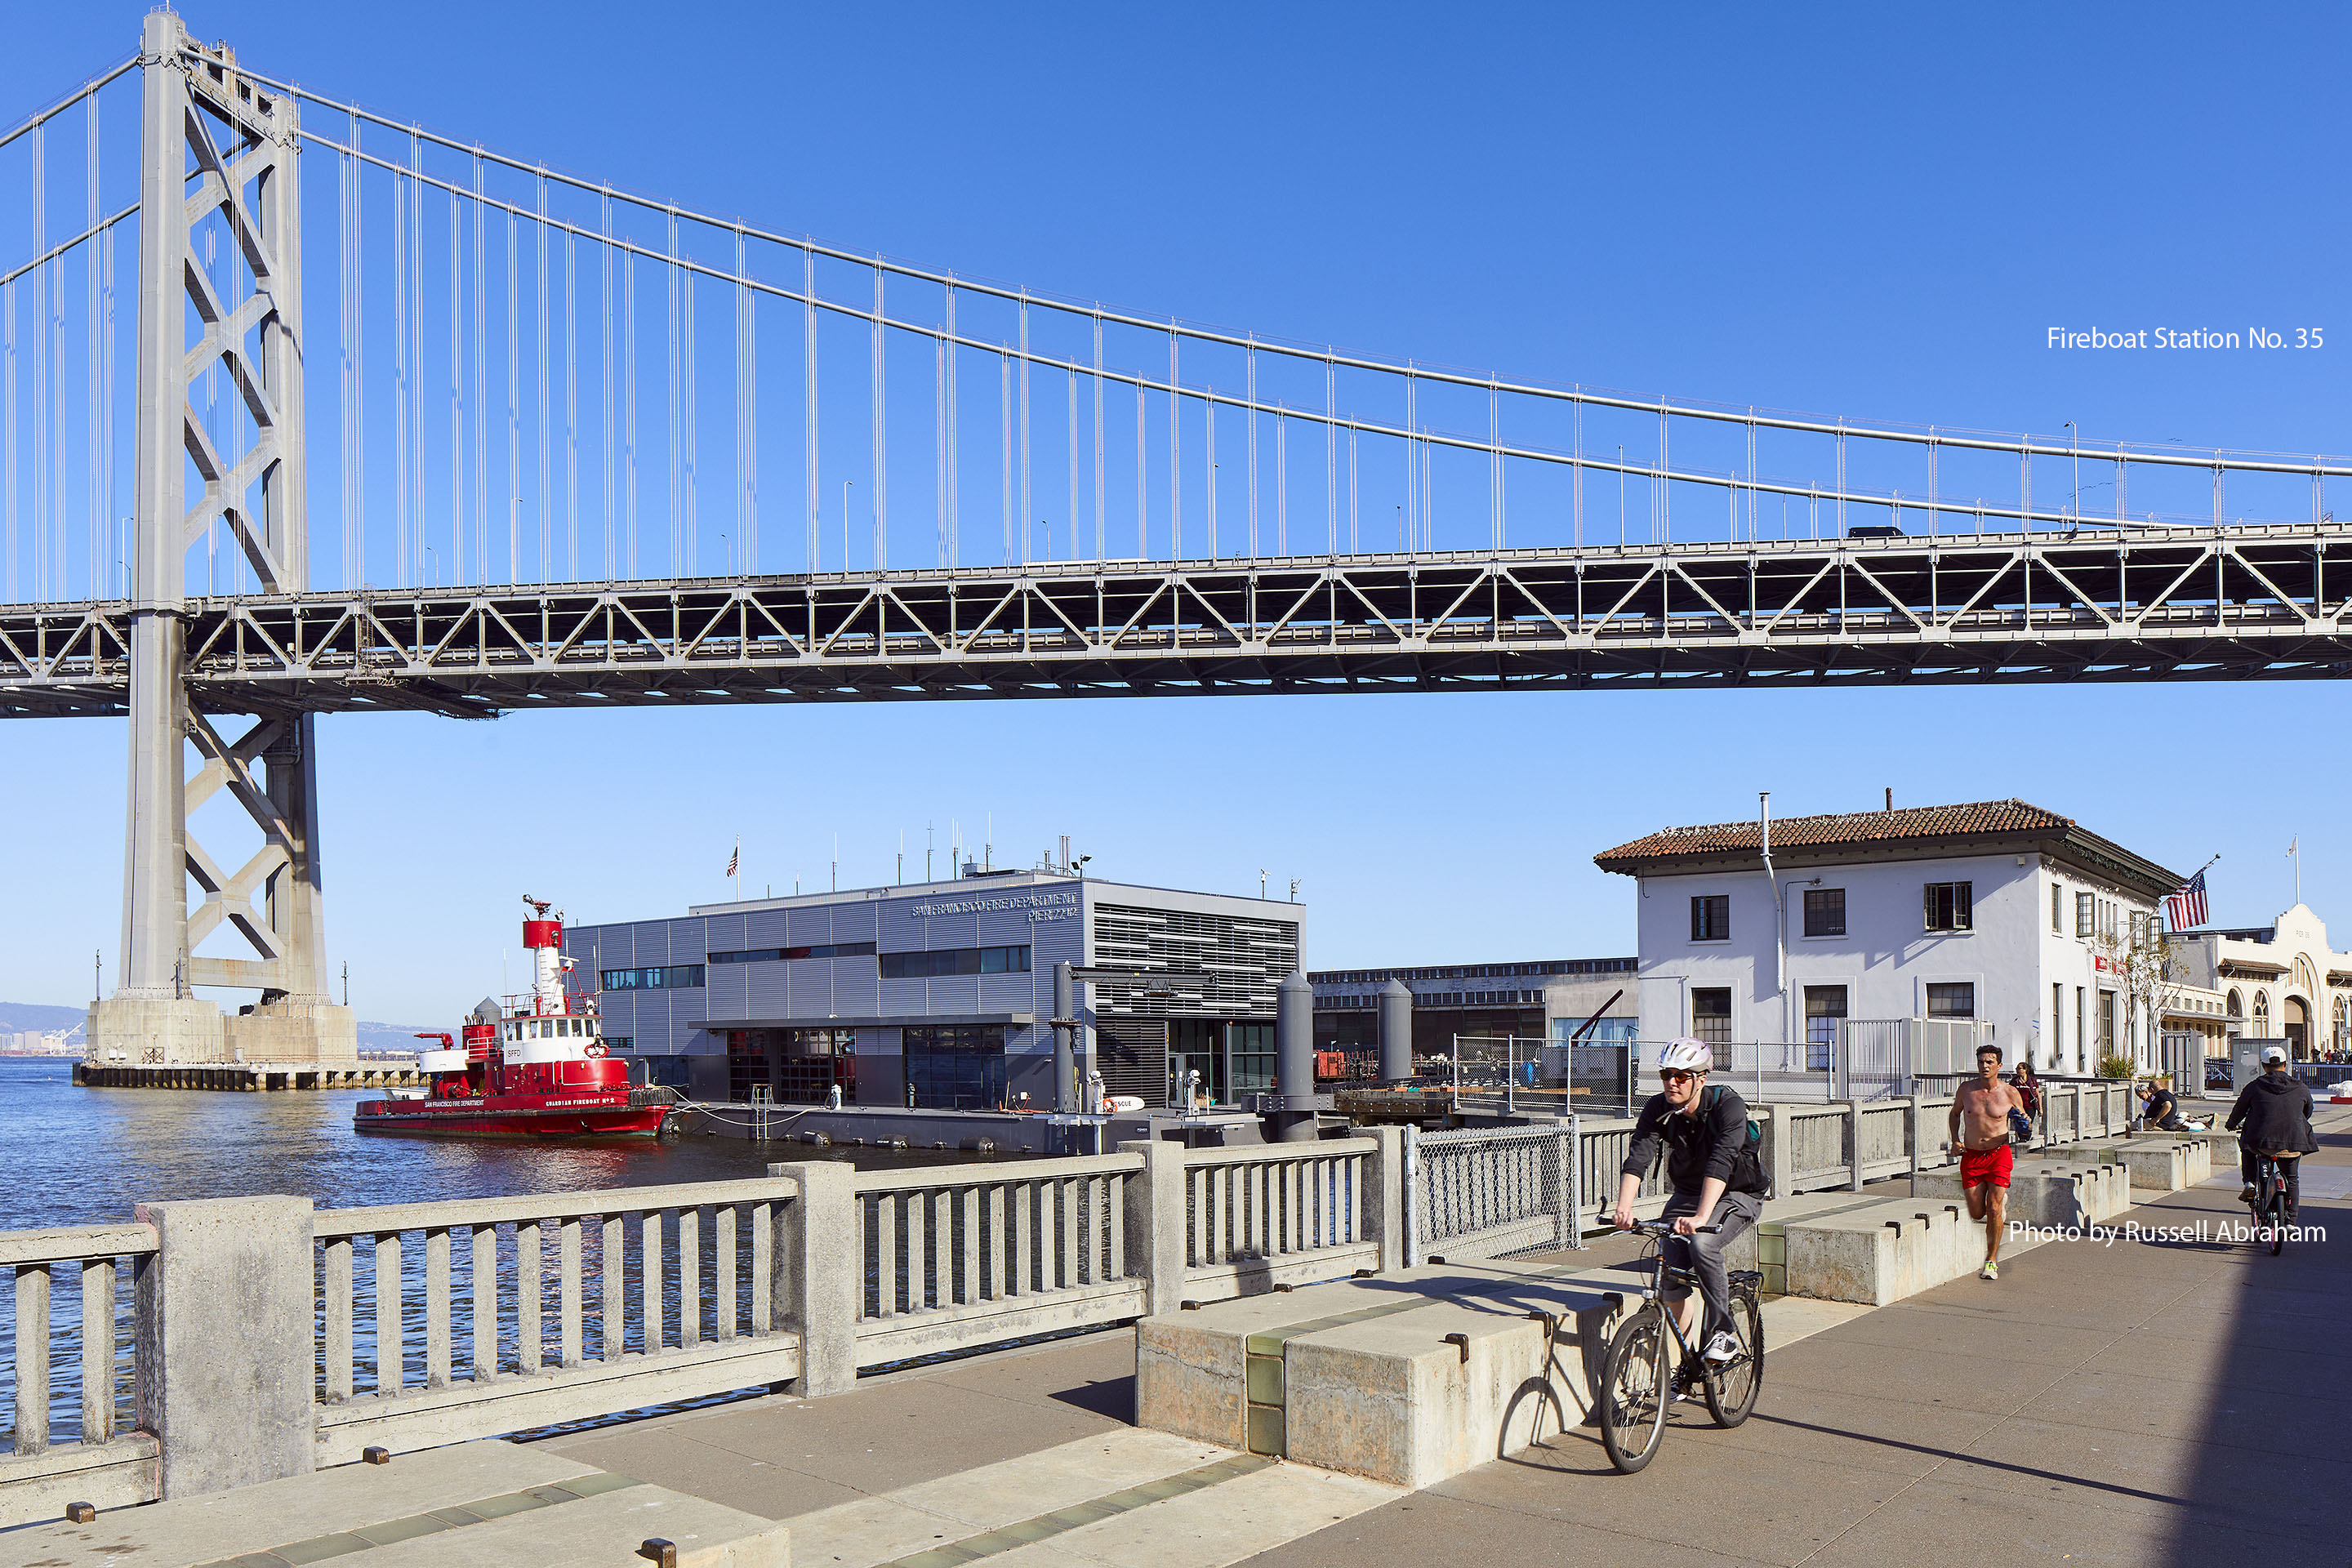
x: 1748, y: 1165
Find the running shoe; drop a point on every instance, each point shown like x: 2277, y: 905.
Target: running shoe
x: 2246, y: 1194
x: 1721, y: 1347
x: 1991, y: 1270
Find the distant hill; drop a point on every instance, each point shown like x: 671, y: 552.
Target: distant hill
x: 40, y: 1019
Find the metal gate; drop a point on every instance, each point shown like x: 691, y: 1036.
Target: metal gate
x: 1483, y: 1193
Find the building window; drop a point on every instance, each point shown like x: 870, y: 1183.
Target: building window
x: 2079, y: 1037
x: 2237, y: 1004
x: 955, y: 1067
x: 1957, y: 1000
x: 1824, y: 1010
x: 1824, y: 912
x: 1948, y: 905
x: 2107, y: 1023
x: 1711, y: 1014
x: 1711, y: 917
x: 2261, y: 1015
x: 955, y: 961
x: 660, y: 977
x: 2086, y: 915
x: 2057, y: 1023
x: 2057, y: 910
x: 779, y: 954
x: 1252, y: 1049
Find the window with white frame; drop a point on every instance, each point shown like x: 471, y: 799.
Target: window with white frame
x: 1948, y: 907
x: 2086, y: 914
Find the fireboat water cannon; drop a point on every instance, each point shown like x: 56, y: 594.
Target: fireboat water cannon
x: 534, y: 1065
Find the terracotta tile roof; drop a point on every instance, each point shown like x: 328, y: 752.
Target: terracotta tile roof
x: 2002, y: 817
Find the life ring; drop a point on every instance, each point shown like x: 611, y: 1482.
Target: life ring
x: 596, y: 1047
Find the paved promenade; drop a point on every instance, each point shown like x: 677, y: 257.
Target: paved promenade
x: 2139, y: 1402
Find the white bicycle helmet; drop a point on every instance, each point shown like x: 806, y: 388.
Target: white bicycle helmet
x: 1686, y: 1055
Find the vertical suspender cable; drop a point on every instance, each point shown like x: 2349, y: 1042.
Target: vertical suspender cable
x: 1102, y: 540
x: 456, y: 395
x: 1249, y: 378
x: 571, y: 412
x: 1004, y: 435
x: 1494, y: 466
x: 358, y: 264
x: 399, y: 377
x: 1281, y: 483
x: 629, y: 405
x: 92, y: 454
x: 514, y: 403
x: 1071, y: 381
x: 1025, y: 514
x: 676, y: 435
x: 107, y: 401
x: 1175, y: 450
x: 1209, y: 463
x: 808, y: 398
x: 881, y: 433
x: 8, y: 431
x: 41, y: 572
x: 482, y: 387
x: 415, y: 352
x: 1352, y: 537
x: 1141, y: 517
x: 955, y: 503
x: 1330, y: 457
x: 344, y: 273
x: 1412, y: 460
x: 1577, y: 477
x: 540, y: 413
x: 940, y: 451
x: 605, y: 377
x: 747, y: 522
x: 690, y: 469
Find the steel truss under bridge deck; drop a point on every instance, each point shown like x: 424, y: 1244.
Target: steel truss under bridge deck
x: 2191, y: 603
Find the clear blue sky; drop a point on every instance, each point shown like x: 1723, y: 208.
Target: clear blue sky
x: 1869, y: 212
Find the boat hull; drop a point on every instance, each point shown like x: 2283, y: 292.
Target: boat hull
x: 533, y: 1117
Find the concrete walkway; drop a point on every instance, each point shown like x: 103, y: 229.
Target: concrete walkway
x: 2135, y: 1401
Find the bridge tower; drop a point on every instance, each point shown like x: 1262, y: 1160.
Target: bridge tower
x: 216, y: 147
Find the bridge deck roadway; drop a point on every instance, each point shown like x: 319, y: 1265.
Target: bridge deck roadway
x: 2163, y: 1402
x: 2187, y: 603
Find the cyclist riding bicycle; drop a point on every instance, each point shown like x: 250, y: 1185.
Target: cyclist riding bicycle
x: 1718, y: 1181
x: 2276, y: 1112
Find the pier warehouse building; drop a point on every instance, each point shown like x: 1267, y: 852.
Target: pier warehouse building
x: 940, y: 995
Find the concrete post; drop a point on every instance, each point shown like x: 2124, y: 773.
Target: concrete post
x: 1066, y: 1012
x: 824, y: 1282
x: 1563, y: 1174
x: 1915, y: 1123
x: 1155, y: 1224
x: 1853, y: 1143
x: 1781, y: 1150
x: 222, y: 1315
x: 1294, y: 1056
x: 1384, y: 1210
x: 1395, y: 1017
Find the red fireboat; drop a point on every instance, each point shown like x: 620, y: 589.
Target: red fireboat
x: 536, y: 1068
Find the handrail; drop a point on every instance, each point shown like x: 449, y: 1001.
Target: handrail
x: 385, y: 1218
x: 25, y: 1248
x: 927, y: 1177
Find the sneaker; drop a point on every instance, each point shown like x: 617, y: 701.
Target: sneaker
x: 2246, y: 1194
x: 1721, y: 1347
x: 1991, y: 1270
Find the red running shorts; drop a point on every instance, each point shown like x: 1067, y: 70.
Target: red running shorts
x: 1978, y: 1167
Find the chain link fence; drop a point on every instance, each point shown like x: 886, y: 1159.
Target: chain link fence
x: 1487, y: 1192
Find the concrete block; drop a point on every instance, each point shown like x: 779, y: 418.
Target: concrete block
x: 223, y: 1319
x: 2159, y: 1162
x: 2054, y: 1190
x: 1396, y: 1400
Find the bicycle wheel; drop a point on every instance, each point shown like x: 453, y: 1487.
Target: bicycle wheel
x: 1632, y: 1403
x: 2275, y: 1216
x: 1731, y: 1392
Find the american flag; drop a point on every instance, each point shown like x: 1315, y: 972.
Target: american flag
x: 737, y: 854
x: 2186, y: 908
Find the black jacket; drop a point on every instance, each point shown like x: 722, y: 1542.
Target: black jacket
x: 1697, y: 1146
x: 2273, y: 1112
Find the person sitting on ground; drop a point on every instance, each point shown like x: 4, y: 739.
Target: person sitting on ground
x: 1979, y: 1131
x: 2159, y: 1109
x: 1705, y: 1133
x: 2275, y: 1113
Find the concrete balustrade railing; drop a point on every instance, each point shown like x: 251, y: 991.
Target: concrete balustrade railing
x: 486, y: 1361
x: 98, y: 1463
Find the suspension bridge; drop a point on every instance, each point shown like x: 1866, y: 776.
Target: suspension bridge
x: 564, y: 474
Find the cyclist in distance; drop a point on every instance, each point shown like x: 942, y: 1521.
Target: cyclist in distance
x: 1716, y: 1177
x: 2273, y: 1116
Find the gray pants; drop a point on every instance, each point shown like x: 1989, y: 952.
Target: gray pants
x: 1703, y: 1255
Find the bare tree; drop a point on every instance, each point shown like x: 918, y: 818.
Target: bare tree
x: 2149, y: 973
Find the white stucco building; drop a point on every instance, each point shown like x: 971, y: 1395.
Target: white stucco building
x: 2283, y: 980
x: 1995, y: 911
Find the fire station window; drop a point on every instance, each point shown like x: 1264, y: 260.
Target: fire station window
x: 1825, y: 911
x: 1711, y: 918
x: 1956, y: 1001
x: 1711, y: 1014
x: 2086, y: 914
x: 1948, y: 906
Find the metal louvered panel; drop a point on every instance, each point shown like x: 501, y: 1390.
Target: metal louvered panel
x: 1240, y: 961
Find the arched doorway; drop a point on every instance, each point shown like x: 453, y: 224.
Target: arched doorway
x: 2297, y: 1024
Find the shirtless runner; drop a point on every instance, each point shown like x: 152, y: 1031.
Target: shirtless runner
x: 1979, y: 1130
